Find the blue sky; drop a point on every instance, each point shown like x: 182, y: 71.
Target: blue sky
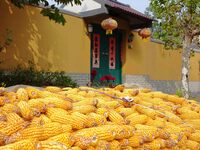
x: 139, y: 5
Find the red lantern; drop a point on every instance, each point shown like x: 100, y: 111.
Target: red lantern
x: 109, y: 25
x: 144, y: 33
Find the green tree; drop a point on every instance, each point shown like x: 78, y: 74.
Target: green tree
x: 49, y: 10
x: 179, y: 21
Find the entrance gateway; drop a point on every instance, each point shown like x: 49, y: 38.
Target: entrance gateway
x: 106, y: 55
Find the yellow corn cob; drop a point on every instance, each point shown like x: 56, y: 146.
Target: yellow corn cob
x: 47, y: 94
x: 159, y: 95
x: 52, y: 111
x: 36, y: 121
x: 145, y: 90
x: 102, y: 111
x: 2, y: 124
x: 25, y: 110
x: 32, y: 132
x: 132, y: 116
x: 13, y: 118
x: 123, y: 131
x: 148, y: 132
x: 84, y: 141
x: 120, y: 88
x: 39, y: 132
x: 101, y: 133
x: 156, y: 144
x: 141, y: 102
x: 75, y: 97
x: 124, y: 143
x: 135, y: 141
x: 172, y: 128
x: 38, y: 105
x: 110, y: 123
x: 2, y: 100
x: 158, y: 122
x: 147, y: 111
x: 57, y: 102
x: 103, y: 145
x: 114, y: 145
x: 195, y: 136
x: 28, y: 144
x: 163, y: 134
x: 75, y: 148
x: 53, y: 89
x: 187, y: 129
x: 82, y: 93
x: 52, y: 129
x: 2, y: 139
x: 125, y: 111
x: 64, y: 118
x: 86, y: 102
x: 116, y: 117
x: 175, y: 99
x: 195, y: 123
x: 32, y: 92
x: 87, y: 121
x: 192, y: 145
x: 109, y: 104
x: 91, y: 94
x: 51, y: 145
x: 12, y: 128
x: 139, y: 119
x: 128, y: 148
x: 190, y: 115
x: 104, y: 133
x: 45, y: 119
x: 99, y: 119
x: 10, y: 97
x: 170, y: 143
x: 182, y: 141
x: 65, y: 138
x: 91, y: 148
x: 67, y: 128
x: 22, y: 94
x: 2, y: 90
x: 8, y: 108
x: 84, y: 109
x: 40, y: 120
x: 172, y: 117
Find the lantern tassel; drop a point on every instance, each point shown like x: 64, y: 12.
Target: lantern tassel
x: 109, y: 32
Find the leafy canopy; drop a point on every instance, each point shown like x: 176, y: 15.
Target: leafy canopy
x: 176, y: 19
x: 48, y: 10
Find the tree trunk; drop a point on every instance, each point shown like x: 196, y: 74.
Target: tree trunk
x: 186, y: 65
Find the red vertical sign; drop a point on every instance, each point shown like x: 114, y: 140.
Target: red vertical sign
x: 96, y: 51
x: 112, y: 53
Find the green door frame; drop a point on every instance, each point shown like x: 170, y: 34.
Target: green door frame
x: 104, y: 38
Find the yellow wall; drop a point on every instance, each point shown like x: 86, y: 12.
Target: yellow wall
x: 47, y: 44
x: 150, y: 58
x: 67, y: 48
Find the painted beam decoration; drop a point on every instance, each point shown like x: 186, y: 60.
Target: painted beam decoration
x: 96, y: 51
x: 112, y: 53
x: 109, y: 25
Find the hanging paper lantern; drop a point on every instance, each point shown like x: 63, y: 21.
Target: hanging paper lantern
x: 144, y: 33
x: 109, y: 25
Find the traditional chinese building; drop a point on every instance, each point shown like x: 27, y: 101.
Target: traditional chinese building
x: 82, y: 47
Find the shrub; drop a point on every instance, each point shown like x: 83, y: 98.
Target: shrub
x: 179, y: 93
x: 36, y: 78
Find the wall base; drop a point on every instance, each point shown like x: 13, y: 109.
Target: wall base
x: 167, y: 86
x: 80, y: 78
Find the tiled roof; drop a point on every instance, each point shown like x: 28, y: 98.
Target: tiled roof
x: 126, y: 8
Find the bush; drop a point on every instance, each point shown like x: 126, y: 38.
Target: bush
x: 36, y: 78
x: 179, y: 93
